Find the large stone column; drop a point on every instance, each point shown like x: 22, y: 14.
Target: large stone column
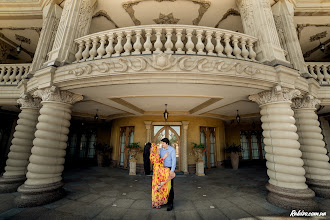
x: 74, y: 23
x: 283, y: 12
x: 257, y: 19
x: 286, y: 185
x: 184, y: 151
x: 20, y: 150
x: 314, y: 154
x: 148, y: 128
x: 326, y: 132
x: 51, y: 18
x: 43, y: 184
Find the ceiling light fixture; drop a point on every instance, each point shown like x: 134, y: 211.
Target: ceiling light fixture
x: 238, y: 118
x: 19, y: 48
x: 165, y: 113
x: 96, y: 116
x: 322, y: 46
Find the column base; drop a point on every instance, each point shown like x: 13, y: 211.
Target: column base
x: 298, y: 199
x: 9, y: 184
x: 320, y: 187
x: 39, y: 195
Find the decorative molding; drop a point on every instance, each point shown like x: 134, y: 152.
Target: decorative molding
x: 165, y: 0
x: 12, y: 43
x: 128, y: 6
x: 127, y: 104
x: 277, y: 94
x: 300, y: 27
x: 307, y: 101
x: 103, y: 13
x: 166, y: 62
x: 5, y: 50
x: 37, y: 29
x: 55, y: 94
x: 203, y: 7
x: 166, y: 19
x: 204, y: 105
x: 22, y: 39
x: 27, y: 101
x: 318, y: 36
x: 230, y: 11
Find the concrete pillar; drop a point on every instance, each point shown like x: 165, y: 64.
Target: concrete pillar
x: 43, y: 184
x: 74, y: 23
x: 148, y: 128
x: 20, y: 150
x: 326, y: 132
x: 314, y: 154
x: 184, y: 147
x: 286, y: 185
x: 51, y: 18
x: 283, y: 12
x: 257, y: 19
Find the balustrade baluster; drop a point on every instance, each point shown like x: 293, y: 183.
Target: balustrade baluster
x: 147, y: 45
x: 325, y: 73
x: 320, y: 76
x: 311, y: 71
x: 12, y: 77
x: 85, y: 53
x: 118, y: 47
x: 252, y: 54
x: 101, y: 49
x: 190, y: 45
x: 137, y: 45
x: 109, y: 48
x: 128, y: 45
x: 2, y: 73
x: 169, y: 43
x: 200, y: 46
x: 237, y: 50
x: 228, y: 48
x: 179, y: 44
x: 219, y: 48
x: 245, y: 52
x: 93, y: 52
x: 209, y: 45
x: 78, y: 55
x: 19, y: 75
x: 6, y: 77
x: 158, y: 44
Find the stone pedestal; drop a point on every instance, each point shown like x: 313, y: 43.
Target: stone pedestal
x: 20, y: 150
x: 312, y: 146
x: 287, y: 187
x: 200, y: 168
x: 44, y: 176
x: 132, y: 167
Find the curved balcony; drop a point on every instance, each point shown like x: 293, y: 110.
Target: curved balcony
x: 11, y: 74
x: 320, y: 71
x: 169, y: 39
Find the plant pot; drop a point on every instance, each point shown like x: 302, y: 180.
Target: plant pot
x: 234, y: 158
x: 99, y: 160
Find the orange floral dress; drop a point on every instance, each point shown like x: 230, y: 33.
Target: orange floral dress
x: 160, y: 174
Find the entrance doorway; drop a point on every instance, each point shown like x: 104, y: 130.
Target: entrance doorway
x: 172, y: 132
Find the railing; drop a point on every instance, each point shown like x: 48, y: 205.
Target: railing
x: 320, y: 71
x: 11, y: 74
x: 170, y: 39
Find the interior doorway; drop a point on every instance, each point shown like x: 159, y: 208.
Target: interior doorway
x: 172, y: 132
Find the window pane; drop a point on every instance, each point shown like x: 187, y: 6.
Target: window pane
x: 245, y: 146
x: 176, y: 129
x: 212, y: 153
x: 83, y: 146
x: 156, y: 129
x: 122, y: 149
x: 254, y: 146
x: 91, y: 149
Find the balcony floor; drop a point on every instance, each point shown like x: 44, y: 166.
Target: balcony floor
x: 109, y: 193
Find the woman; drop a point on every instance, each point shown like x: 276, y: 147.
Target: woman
x: 146, y: 160
x: 160, y: 180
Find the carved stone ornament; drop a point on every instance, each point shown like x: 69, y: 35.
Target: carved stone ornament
x: 307, y: 101
x: 55, y: 94
x: 166, y: 19
x: 277, y: 94
x: 166, y: 62
x: 27, y: 101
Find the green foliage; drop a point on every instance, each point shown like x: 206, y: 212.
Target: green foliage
x: 133, y: 146
x: 102, y: 148
x: 201, y: 146
x: 233, y: 148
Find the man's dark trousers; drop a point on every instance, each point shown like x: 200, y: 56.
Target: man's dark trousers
x: 171, y: 195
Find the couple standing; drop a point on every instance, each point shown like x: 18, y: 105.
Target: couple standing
x: 163, y: 174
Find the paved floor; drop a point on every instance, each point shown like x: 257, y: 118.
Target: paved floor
x: 110, y: 193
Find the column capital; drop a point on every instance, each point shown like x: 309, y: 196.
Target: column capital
x: 277, y: 94
x: 185, y: 124
x: 307, y: 101
x: 147, y: 124
x: 27, y: 101
x: 55, y: 94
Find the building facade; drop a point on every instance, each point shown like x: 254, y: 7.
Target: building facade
x: 249, y: 72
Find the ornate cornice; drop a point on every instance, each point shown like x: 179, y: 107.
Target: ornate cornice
x: 55, y: 94
x: 277, y: 94
x: 307, y: 101
x: 27, y: 101
x: 103, y: 13
x: 166, y: 62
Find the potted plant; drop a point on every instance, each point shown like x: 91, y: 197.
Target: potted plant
x: 102, y: 149
x: 198, y: 149
x: 234, y: 154
x: 133, y: 149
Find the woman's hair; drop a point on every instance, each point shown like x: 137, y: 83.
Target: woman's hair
x: 147, y: 148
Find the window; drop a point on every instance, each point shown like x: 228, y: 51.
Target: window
x: 252, y: 145
x: 126, y: 137
x: 207, y: 137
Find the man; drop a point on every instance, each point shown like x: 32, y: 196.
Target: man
x: 169, y: 162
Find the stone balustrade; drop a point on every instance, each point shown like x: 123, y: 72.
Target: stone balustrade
x: 169, y: 39
x: 11, y: 74
x: 320, y: 71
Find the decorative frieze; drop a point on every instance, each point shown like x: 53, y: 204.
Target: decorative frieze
x: 277, y: 94
x: 307, y: 101
x: 166, y: 62
x: 55, y: 94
